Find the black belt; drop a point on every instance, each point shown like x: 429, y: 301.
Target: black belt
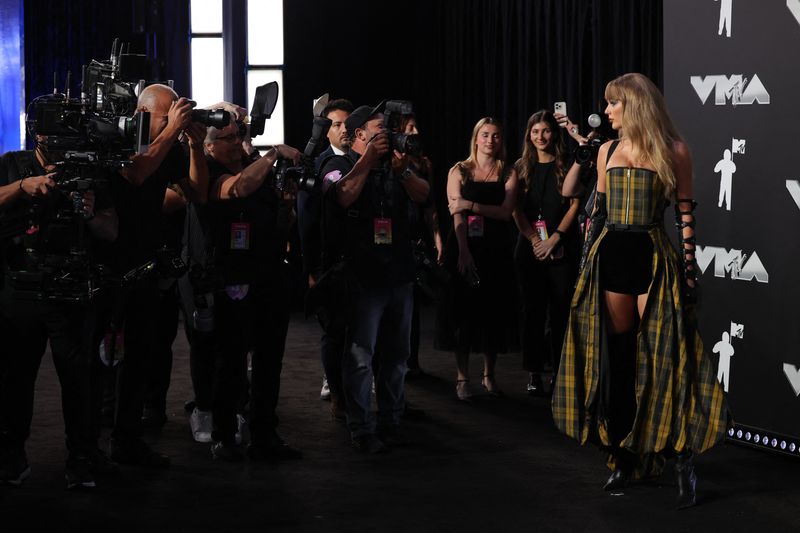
x: 632, y: 227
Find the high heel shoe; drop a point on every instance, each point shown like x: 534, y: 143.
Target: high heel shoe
x: 490, y: 385
x: 617, y: 481
x: 463, y: 392
x: 687, y: 481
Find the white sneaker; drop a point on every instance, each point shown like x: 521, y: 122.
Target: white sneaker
x: 325, y: 392
x: 201, y: 423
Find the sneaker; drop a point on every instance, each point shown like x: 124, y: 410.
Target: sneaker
x: 79, y: 472
x: 275, y: 450
x: 14, y: 468
x: 393, y: 437
x: 201, y: 423
x: 136, y: 452
x: 325, y: 392
x: 102, y: 464
x: 226, y: 452
x: 368, y: 444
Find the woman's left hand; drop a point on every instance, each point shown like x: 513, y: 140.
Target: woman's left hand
x: 458, y: 205
x: 543, y: 249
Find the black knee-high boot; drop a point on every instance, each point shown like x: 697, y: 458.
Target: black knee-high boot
x: 622, y: 408
x: 687, y: 480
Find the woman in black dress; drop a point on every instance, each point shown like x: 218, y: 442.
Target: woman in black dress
x: 546, y: 254
x: 481, y: 192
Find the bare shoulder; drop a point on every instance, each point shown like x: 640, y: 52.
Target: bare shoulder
x: 604, y: 148
x: 681, y: 152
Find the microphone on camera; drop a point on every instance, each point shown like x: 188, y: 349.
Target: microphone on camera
x: 594, y: 120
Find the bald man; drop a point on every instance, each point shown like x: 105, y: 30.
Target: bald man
x: 150, y: 195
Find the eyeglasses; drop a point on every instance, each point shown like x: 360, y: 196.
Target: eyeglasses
x: 231, y: 137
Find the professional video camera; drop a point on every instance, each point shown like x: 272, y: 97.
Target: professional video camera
x: 303, y: 175
x: 87, y: 138
x: 404, y: 143
x: 102, y: 127
x: 587, y: 153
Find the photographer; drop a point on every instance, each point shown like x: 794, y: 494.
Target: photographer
x: 250, y: 219
x: 42, y: 227
x: 366, y: 229
x: 139, y: 195
x: 309, y: 212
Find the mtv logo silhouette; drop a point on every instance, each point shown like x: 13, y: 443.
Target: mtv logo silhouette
x: 738, y: 146
x: 737, y: 330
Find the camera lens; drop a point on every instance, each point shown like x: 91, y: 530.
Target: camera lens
x: 218, y: 118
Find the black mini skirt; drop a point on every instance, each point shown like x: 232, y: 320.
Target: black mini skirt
x: 626, y: 262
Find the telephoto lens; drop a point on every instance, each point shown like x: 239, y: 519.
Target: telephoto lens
x: 218, y: 118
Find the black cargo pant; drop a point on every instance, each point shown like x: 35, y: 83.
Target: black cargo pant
x: 26, y: 326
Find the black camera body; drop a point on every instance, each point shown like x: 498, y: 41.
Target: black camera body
x: 587, y: 153
x: 304, y: 174
x: 404, y: 143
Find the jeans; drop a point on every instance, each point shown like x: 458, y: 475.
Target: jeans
x: 384, y: 312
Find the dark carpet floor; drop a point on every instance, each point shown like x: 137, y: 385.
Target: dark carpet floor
x: 493, y: 466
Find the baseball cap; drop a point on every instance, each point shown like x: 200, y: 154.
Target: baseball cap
x: 361, y: 115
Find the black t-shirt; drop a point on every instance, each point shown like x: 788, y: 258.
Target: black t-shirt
x: 141, y: 222
x: 249, y: 234
x: 49, y: 220
x: 379, y: 214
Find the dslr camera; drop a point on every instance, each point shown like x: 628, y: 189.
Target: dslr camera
x: 404, y: 143
x: 587, y: 153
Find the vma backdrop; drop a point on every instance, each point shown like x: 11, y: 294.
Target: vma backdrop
x: 733, y: 87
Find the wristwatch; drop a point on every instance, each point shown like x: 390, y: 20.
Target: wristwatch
x: 410, y: 169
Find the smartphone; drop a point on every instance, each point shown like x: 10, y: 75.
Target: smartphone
x: 560, y: 107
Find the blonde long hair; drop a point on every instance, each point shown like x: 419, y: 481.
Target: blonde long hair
x: 468, y: 165
x: 646, y: 124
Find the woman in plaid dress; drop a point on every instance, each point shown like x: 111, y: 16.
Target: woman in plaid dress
x: 634, y: 377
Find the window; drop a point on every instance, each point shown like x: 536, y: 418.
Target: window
x: 261, y: 36
x: 265, y: 60
x: 208, y: 79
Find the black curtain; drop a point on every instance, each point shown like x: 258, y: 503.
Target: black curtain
x: 457, y: 60
x: 461, y: 60
x: 63, y: 36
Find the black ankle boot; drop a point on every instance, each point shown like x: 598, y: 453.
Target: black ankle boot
x: 687, y: 480
x: 617, y: 480
x: 621, y: 477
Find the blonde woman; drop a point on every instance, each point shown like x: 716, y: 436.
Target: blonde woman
x: 473, y: 317
x: 634, y: 377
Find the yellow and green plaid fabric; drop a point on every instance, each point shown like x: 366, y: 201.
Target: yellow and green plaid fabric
x: 680, y: 403
x: 633, y: 196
